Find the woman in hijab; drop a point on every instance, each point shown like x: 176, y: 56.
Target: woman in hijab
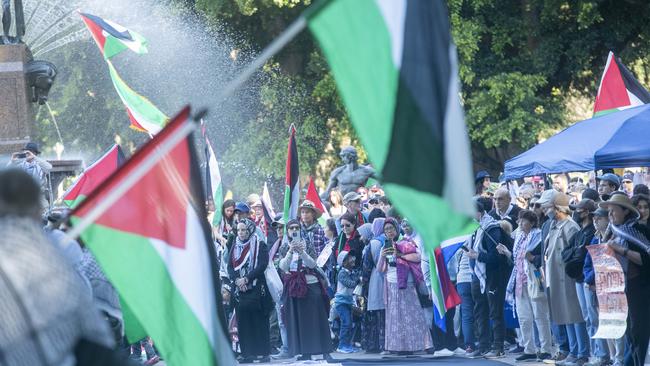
x: 305, y: 298
x: 374, y: 318
x: 248, y: 257
x: 406, y: 328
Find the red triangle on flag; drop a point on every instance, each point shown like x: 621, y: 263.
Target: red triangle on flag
x: 95, y: 174
x: 313, y: 196
x: 612, y: 93
x: 155, y: 207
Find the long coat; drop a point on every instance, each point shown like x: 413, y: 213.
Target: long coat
x: 561, y: 289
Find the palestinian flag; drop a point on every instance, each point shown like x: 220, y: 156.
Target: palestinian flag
x: 269, y: 215
x: 443, y: 291
x: 312, y: 195
x: 618, y: 89
x: 292, y: 181
x: 147, y: 221
x: 213, y: 180
x: 144, y: 116
x: 94, y: 175
x: 395, y: 68
x: 112, y: 38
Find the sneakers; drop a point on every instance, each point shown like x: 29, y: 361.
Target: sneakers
x: 516, y: 350
x: 600, y: 361
x: 282, y: 355
x: 544, y: 356
x: 477, y: 354
x: 444, y: 353
x: 560, y: 356
x: 347, y: 349
x: 526, y: 357
x: 568, y: 361
x: 459, y: 351
x: 495, y: 354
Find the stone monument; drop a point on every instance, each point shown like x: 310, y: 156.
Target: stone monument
x: 348, y: 177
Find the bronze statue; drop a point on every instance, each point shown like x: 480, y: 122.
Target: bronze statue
x: 6, y: 21
x: 349, y: 177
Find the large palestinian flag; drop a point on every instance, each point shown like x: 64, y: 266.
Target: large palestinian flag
x: 395, y: 68
x: 618, y: 88
x: 148, y: 222
x: 94, y: 175
x: 112, y: 38
x: 292, y: 181
x: 144, y: 115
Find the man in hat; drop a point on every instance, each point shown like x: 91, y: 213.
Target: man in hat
x: 561, y: 289
x: 310, y: 230
x: 258, y: 218
x: 39, y: 169
x: 608, y: 184
x: 632, y: 249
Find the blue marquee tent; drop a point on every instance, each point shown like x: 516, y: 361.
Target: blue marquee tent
x: 615, y: 140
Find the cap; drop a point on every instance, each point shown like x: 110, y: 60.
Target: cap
x: 481, y: 175
x: 586, y: 204
x: 547, y: 197
x: 613, y: 178
x: 628, y: 176
x: 341, y: 257
x: 351, y: 196
x: 277, y: 221
x: 33, y: 147
x: 601, y: 212
x: 242, y: 207
x: 591, y: 194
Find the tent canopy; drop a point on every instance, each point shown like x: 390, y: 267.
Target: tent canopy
x: 615, y: 140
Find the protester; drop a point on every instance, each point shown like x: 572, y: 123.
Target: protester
x: 406, y: 329
x: 336, y: 204
x: 491, y: 273
x: 258, y: 218
x: 642, y: 204
x: 504, y: 209
x: 562, y: 288
x: 227, y: 223
x: 352, y: 202
x: 632, y: 249
x: 31, y: 163
x: 374, y: 319
x: 305, y: 300
x: 247, y: 259
x: 385, y: 205
x: 48, y: 316
x: 600, y: 346
x: 375, y: 214
x: 526, y: 291
x: 626, y: 183
x: 482, y: 182
x: 347, y: 280
x: 310, y: 229
x: 608, y: 184
x: 464, y: 289
x: 349, y: 240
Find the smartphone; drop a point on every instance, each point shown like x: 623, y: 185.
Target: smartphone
x: 21, y: 155
x: 294, y: 235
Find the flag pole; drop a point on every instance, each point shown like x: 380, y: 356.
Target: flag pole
x: 130, y: 180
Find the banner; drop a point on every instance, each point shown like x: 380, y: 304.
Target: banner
x: 610, y: 290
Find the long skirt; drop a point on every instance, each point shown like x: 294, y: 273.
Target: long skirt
x: 253, y: 330
x: 372, y: 329
x: 306, y: 321
x: 406, y: 327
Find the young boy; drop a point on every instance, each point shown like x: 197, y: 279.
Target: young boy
x: 347, y: 281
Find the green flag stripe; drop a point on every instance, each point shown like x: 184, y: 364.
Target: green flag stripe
x: 368, y: 81
x: 116, y: 250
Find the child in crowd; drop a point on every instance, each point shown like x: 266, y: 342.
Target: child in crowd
x: 347, y: 281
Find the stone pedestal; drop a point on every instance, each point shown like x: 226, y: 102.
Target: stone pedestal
x: 16, y: 111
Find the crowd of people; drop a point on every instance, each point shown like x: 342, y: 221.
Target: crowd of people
x: 360, y: 281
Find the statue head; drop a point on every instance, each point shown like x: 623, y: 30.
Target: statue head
x: 348, y: 154
x: 40, y: 76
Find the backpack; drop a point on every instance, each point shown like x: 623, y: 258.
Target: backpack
x: 573, y: 257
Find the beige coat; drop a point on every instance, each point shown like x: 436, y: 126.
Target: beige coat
x: 561, y: 289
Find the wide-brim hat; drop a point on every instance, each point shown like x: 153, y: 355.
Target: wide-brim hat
x: 310, y: 205
x: 351, y: 196
x: 620, y: 200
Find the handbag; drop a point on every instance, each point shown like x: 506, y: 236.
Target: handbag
x: 535, y: 283
x: 274, y: 282
x: 573, y: 257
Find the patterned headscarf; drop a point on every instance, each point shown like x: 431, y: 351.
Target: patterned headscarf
x: 392, y: 221
x: 250, y: 228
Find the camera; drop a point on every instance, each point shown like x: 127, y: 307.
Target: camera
x: 21, y: 155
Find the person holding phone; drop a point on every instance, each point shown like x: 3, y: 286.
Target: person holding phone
x: 29, y: 161
x: 406, y: 328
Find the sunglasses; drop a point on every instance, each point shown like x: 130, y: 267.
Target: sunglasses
x: 373, y: 202
x: 293, y: 228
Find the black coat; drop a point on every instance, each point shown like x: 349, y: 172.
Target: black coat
x: 512, y: 217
